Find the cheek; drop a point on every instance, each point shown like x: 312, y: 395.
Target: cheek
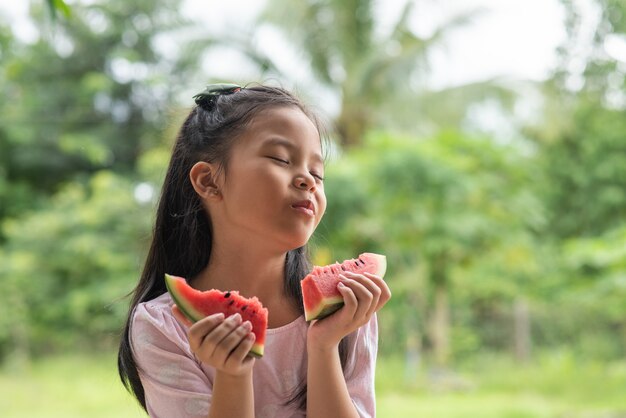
x: 322, y: 206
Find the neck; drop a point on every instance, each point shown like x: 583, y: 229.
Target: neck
x: 252, y: 272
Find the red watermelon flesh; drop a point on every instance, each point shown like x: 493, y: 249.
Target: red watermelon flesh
x: 319, y: 288
x: 196, y: 305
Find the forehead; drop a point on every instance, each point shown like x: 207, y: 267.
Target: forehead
x: 281, y: 126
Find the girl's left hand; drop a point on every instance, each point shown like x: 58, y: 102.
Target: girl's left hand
x: 363, y: 295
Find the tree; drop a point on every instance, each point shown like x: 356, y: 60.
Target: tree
x: 376, y: 74
x: 581, y: 139
x: 581, y: 153
x: 435, y: 206
x: 67, y: 267
x: 90, y: 94
x: 82, y: 104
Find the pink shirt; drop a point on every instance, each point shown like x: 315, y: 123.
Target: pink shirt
x: 177, y: 384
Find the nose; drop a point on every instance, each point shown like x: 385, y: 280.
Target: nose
x: 304, y: 182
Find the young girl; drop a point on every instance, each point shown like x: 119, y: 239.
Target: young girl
x: 242, y: 196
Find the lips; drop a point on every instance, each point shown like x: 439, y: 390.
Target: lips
x: 305, y: 204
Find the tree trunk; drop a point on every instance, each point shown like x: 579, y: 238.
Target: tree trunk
x: 440, y: 319
x: 352, y: 124
x: 521, y: 327
x: 440, y: 326
x: 413, y: 357
x: 19, y: 353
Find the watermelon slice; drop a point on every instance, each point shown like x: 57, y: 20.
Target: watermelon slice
x: 319, y: 288
x: 197, y: 305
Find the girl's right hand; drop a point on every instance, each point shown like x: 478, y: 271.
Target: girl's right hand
x: 221, y: 343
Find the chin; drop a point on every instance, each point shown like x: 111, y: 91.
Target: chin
x: 294, y: 242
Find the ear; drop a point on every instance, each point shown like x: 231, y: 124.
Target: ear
x: 202, y: 176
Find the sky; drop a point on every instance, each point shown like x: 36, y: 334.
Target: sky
x: 509, y: 38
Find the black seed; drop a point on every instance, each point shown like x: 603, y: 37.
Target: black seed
x: 362, y: 262
x: 244, y: 307
x: 343, y: 268
x: 227, y: 295
x: 231, y: 302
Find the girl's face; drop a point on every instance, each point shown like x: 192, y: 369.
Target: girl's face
x: 273, y: 189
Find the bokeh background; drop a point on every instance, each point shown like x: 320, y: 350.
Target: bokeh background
x: 480, y: 145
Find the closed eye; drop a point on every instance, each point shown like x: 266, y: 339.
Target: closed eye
x: 279, y: 160
x: 317, y: 176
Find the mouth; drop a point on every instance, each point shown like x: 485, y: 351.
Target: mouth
x: 305, y: 206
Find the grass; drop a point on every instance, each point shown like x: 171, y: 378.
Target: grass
x: 554, y: 386
x: 69, y: 387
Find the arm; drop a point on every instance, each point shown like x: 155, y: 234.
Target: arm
x: 327, y: 390
x: 224, y: 344
x: 233, y: 396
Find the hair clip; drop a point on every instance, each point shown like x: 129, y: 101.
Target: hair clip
x: 207, y: 98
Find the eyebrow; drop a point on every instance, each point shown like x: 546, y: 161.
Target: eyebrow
x: 287, y: 144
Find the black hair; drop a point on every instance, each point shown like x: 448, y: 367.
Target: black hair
x: 182, y: 234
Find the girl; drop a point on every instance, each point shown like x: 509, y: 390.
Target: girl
x: 242, y: 196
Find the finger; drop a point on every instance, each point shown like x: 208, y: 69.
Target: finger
x: 180, y: 316
x: 238, y: 355
x: 363, y: 295
x: 213, y: 339
x: 225, y: 347
x: 350, y: 302
x: 204, y: 327
x: 372, y: 287
x: 385, y: 292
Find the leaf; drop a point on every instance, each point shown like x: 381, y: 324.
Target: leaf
x: 55, y: 6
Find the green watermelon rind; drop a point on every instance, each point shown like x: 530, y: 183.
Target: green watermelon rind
x: 326, y: 307
x: 332, y: 304
x: 193, y: 315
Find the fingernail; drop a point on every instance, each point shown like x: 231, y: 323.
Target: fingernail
x: 219, y: 316
x: 247, y: 325
x: 236, y: 318
x: 250, y: 336
x: 341, y: 285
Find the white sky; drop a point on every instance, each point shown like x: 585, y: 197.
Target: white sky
x: 512, y: 38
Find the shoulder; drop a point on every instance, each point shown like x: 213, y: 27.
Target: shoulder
x: 153, y: 322
x: 155, y: 311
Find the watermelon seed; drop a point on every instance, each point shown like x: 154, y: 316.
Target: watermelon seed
x: 227, y: 295
x: 231, y: 302
x: 343, y: 268
x: 244, y: 307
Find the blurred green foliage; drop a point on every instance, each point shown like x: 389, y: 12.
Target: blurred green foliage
x: 494, y: 245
